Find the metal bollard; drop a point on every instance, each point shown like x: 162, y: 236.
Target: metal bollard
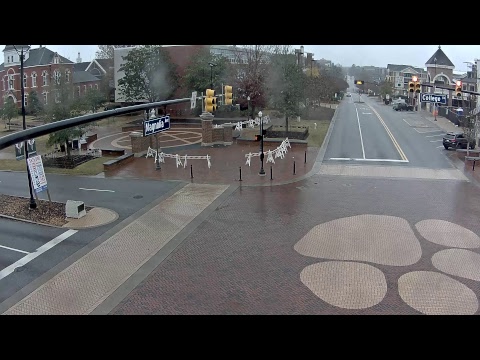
x: 473, y: 168
x: 293, y: 167
x: 240, y: 169
x: 191, y: 171
x: 271, y: 172
x: 305, y: 156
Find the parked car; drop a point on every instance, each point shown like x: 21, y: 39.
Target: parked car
x: 402, y: 107
x: 456, y: 140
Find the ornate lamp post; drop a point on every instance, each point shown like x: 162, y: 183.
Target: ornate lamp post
x: 33, y: 204
x: 262, y: 171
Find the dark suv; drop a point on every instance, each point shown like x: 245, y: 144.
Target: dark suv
x: 456, y: 140
x: 402, y: 107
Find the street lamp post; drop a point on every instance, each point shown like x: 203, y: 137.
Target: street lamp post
x: 262, y: 171
x: 211, y: 74
x: 33, y: 204
x: 435, y: 104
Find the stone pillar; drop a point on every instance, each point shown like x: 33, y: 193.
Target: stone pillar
x: 227, y: 135
x: 449, y: 97
x: 207, y: 131
x: 139, y: 143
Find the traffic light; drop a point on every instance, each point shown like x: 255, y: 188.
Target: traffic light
x: 210, y: 101
x: 418, y: 87
x: 359, y: 82
x: 458, y: 89
x: 411, y: 86
x: 228, y: 95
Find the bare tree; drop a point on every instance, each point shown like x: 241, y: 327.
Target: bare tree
x: 106, y: 51
x: 250, y: 74
x: 285, y: 82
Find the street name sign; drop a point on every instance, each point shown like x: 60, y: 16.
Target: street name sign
x: 433, y: 98
x: 193, y: 100
x: 153, y: 126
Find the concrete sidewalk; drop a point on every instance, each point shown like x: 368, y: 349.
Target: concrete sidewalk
x: 81, y: 287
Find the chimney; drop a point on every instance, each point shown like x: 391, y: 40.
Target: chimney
x: 309, y: 59
x: 79, y: 59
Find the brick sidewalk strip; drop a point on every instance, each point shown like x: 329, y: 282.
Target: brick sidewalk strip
x: 392, y: 172
x: 81, y: 287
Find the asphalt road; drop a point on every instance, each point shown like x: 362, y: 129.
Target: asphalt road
x: 373, y: 133
x: 19, y: 239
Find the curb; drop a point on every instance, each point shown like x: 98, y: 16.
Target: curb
x: 29, y: 221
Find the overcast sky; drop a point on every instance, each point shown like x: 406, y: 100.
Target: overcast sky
x: 362, y: 55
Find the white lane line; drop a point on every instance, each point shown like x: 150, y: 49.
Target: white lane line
x: 378, y: 160
x: 434, y: 135
x: 17, y: 250
x: 97, y: 190
x: 27, y: 258
x: 367, y: 113
x: 360, y: 129
x: 407, y: 122
x: 438, y: 147
x: 436, y: 140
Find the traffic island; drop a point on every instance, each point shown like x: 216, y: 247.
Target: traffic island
x: 52, y: 213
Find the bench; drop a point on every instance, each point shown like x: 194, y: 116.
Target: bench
x: 114, y: 163
x: 474, y: 159
x: 112, y: 152
x: 475, y: 151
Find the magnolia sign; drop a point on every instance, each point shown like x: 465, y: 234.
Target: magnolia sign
x: 153, y: 126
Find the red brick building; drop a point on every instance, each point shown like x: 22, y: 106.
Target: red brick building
x: 42, y: 67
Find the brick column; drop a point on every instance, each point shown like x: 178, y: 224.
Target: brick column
x: 227, y: 135
x: 207, y: 129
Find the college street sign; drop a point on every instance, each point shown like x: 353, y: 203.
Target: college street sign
x: 433, y: 98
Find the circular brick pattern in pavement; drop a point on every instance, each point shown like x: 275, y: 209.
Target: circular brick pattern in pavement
x: 96, y: 217
x: 348, y: 285
x: 458, y: 262
x: 385, y: 240
x: 433, y: 293
x: 448, y: 234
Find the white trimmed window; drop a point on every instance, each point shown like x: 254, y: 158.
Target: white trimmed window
x: 67, y: 76
x: 34, y: 79
x: 56, y: 77
x: 45, y: 97
x: 45, y: 78
x: 91, y: 86
x: 3, y: 82
x: 57, y: 96
x: 84, y: 89
x: 25, y: 80
x: 78, y: 90
x: 10, y: 82
x: 96, y: 86
x: 25, y: 102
